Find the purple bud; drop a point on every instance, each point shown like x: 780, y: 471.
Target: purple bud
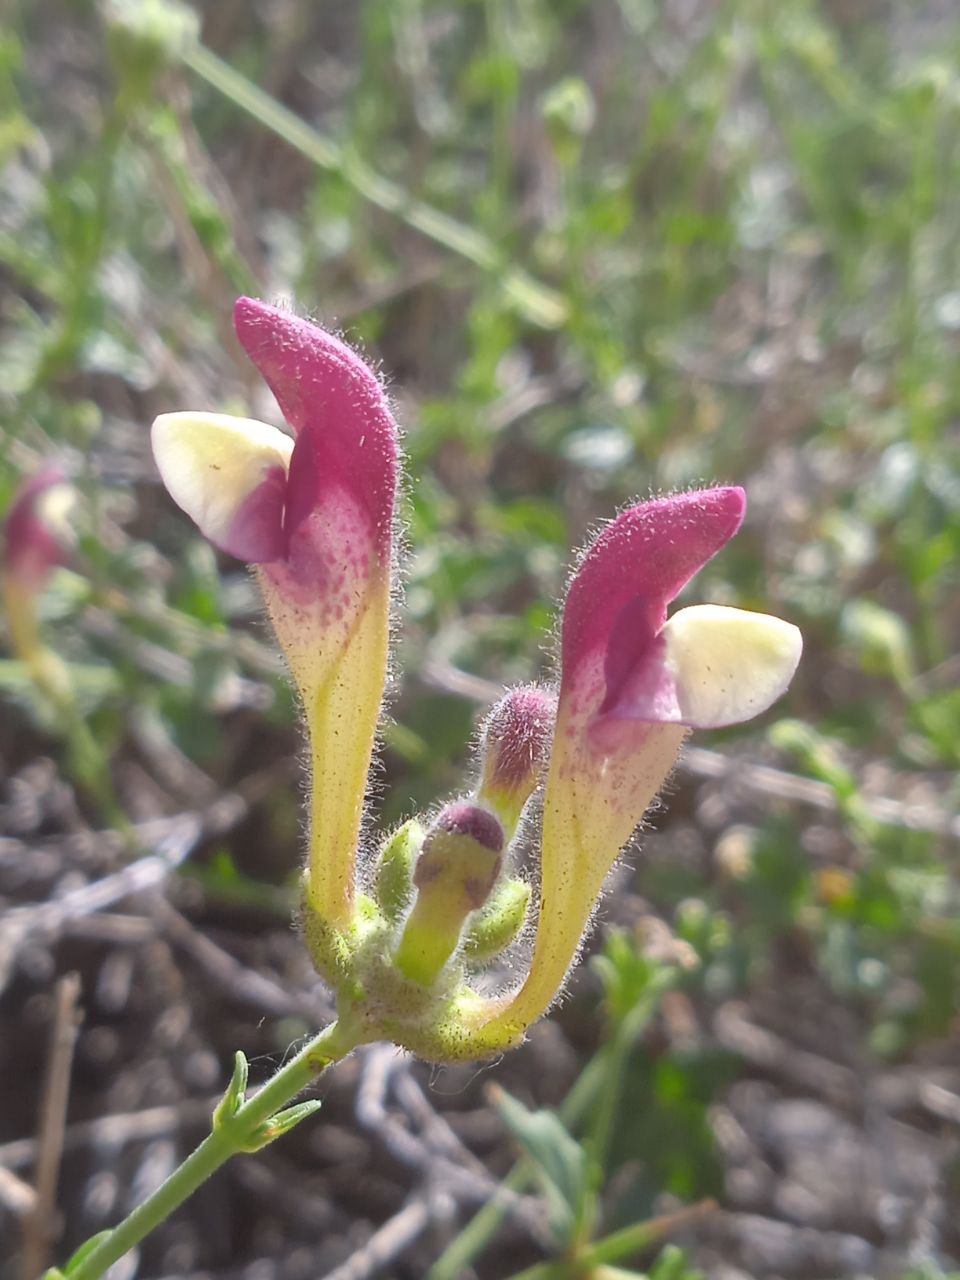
x: 464, y: 818
x: 516, y: 744
x: 455, y: 873
x: 461, y: 852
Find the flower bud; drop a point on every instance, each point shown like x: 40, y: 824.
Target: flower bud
x: 394, y: 881
x: 516, y: 744
x: 499, y: 923
x: 455, y: 873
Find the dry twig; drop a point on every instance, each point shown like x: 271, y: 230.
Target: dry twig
x: 172, y: 839
x: 15, y: 1194
x: 39, y: 1225
x: 386, y: 1243
x: 117, y: 1130
x: 240, y: 981
x: 463, y: 1176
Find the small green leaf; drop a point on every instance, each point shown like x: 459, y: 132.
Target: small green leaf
x: 279, y: 1124
x: 559, y: 1160
x: 671, y: 1264
x: 79, y: 1256
x: 881, y: 638
x: 233, y: 1099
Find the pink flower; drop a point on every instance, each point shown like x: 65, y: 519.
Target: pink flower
x: 315, y: 513
x: 708, y: 666
x: 307, y: 505
x: 37, y: 533
x: 632, y: 682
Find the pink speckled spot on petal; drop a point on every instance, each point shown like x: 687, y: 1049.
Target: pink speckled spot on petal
x: 347, y: 438
x: 330, y: 560
x: 618, y: 598
x: 256, y: 532
x: 31, y: 550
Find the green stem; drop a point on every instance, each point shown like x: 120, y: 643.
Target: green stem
x: 88, y: 761
x: 53, y: 680
x: 226, y: 1140
x: 504, y: 102
x: 544, y: 1271
x: 91, y: 767
x: 483, y: 1225
x: 539, y: 303
x: 641, y: 1235
x: 613, y: 1057
x: 581, y: 1099
x: 607, y: 1103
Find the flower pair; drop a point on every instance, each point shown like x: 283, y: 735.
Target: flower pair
x: 315, y: 515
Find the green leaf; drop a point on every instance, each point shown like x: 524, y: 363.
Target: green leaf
x: 233, y: 1099
x: 279, y: 1124
x: 672, y: 1265
x: 80, y: 1256
x: 641, y: 1235
x: 559, y: 1161
x: 881, y: 638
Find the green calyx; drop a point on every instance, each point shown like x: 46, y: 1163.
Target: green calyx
x: 394, y: 876
x: 499, y: 923
x: 437, y: 909
x: 336, y: 952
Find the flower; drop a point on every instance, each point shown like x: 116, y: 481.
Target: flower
x: 632, y: 684
x: 38, y: 534
x: 315, y: 514
x: 37, y: 531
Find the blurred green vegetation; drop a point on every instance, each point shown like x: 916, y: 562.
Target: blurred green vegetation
x: 600, y: 251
